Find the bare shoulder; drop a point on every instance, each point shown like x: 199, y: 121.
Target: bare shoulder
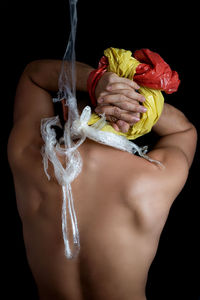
x: 20, y: 143
x: 32, y: 103
x: 148, y: 180
x: 151, y: 190
x: 170, y: 178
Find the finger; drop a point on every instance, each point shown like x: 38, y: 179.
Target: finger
x: 117, y: 112
x: 127, y: 81
x: 131, y: 107
x: 137, y: 115
x: 111, y: 119
x: 118, y: 125
x: 114, y: 125
x: 121, y: 85
x: 124, y: 126
x: 121, y: 96
x: 118, y: 86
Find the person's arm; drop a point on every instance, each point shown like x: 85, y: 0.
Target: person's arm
x: 33, y: 100
x: 39, y: 78
x: 116, y: 96
x: 178, y: 137
x: 45, y: 73
x: 175, y: 150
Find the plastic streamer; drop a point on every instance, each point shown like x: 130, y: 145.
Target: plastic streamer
x: 64, y: 176
x: 75, y: 128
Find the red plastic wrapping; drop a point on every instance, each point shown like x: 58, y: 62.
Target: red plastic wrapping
x: 94, y: 78
x: 154, y: 72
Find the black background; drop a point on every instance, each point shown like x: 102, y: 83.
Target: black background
x: 39, y: 30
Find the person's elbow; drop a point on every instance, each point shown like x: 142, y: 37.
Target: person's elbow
x: 193, y: 132
x: 192, y: 143
x: 32, y: 67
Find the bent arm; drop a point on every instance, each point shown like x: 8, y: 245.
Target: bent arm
x: 178, y: 136
x: 33, y: 101
x: 39, y: 78
x: 45, y: 73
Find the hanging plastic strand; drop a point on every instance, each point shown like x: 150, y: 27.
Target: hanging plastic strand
x: 67, y: 92
x: 67, y: 78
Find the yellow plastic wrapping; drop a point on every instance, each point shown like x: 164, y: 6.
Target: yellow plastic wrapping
x: 123, y: 64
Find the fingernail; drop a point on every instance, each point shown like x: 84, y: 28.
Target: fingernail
x: 100, y: 100
x: 143, y: 98
x: 143, y: 109
x: 136, y: 119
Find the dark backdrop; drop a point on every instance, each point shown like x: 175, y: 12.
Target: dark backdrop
x: 39, y: 30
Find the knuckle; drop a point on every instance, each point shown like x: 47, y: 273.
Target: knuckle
x: 122, y: 97
x: 111, y: 78
x: 115, y: 86
x: 107, y: 98
x: 117, y: 112
x: 101, y: 94
x: 108, y: 87
x: 137, y: 108
x: 135, y: 102
x: 127, y: 106
x: 137, y: 97
x: 130, y: 94
x: 134, y: 84
x: 131, y: 118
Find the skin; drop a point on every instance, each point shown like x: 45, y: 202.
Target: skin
x: 118, y: 98
x: 122, y: 201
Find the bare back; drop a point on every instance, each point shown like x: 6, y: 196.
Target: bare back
x: 121, y: 213
x: 122, y: 201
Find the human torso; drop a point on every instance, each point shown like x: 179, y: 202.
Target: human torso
x: 120, y: 219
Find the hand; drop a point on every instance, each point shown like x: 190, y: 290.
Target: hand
x: 118, y: 98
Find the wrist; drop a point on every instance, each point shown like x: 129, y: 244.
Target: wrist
x: 82, y: 73
x: 92, y: 82
x: 94, y: 78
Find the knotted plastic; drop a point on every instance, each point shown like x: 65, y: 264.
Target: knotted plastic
x: 154, y: 72
x: 153, y: 75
